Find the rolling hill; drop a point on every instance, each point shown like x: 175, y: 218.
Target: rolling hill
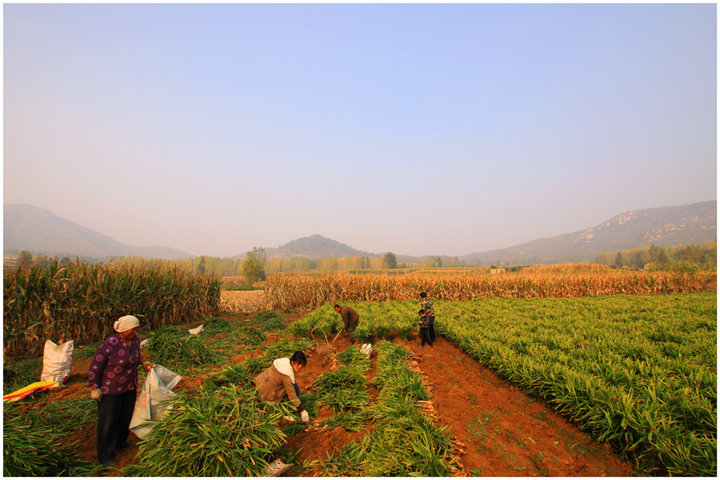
x: 26, y: 227
x: 315, y: 247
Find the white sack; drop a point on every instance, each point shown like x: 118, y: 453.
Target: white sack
x: 196, y: 330
x: 157, y: 388
x: 276, y: 468
x: 366, y: 349
x: 57, y: 361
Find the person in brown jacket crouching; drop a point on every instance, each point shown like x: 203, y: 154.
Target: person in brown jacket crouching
x: 278, y: 381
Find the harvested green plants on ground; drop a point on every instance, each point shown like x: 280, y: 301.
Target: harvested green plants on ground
x: 344, y: 389
x: 269, y: 321
x: 178, y: 351
x: 34, y: 443
x: 220, y: 432
x: 215, y: 325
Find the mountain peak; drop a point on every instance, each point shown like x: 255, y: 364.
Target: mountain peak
x: 314, y: 247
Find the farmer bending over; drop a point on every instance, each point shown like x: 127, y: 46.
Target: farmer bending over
x: 278, y: 381
x: 350, y: 320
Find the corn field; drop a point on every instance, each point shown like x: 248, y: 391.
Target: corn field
x: 80, y: 302
x: 287, y: 290
x: 639, y: 372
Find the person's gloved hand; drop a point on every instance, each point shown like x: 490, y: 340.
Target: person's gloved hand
x: 96, y: 394
x: 305, y: 416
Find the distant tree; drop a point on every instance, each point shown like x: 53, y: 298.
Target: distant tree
x: 691, y: 253
x: 637, y: 259
x: 200, y: 269
x: 24, y: 259
x: 389, y: 260
x: 653, y: 253
x: 619, y: 261
x: 253, y: 268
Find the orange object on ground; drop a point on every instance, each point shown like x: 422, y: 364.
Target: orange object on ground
x: 25, y: 391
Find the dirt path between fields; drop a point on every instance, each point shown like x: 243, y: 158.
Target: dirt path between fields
x: 503, y: 431
x: 500, y: 431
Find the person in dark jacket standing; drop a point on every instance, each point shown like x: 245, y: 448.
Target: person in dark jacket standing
x: 424, y: 329
x: 350, y: 320
x: 427, y: 305
x: 113, y: 377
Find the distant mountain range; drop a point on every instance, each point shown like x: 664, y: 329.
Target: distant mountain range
x: 694, y: 223
x: 40, y: 231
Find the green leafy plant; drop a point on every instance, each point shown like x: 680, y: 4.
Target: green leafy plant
x: 178, y: 352
x: 405, y: 442
x: 285, y: 347
x: 250, y: 336
x: 226, y: 431
x: 34, y: 444
x: 21, y: 373
x: 351, y: 422
x: 215, y: 325
x: 269, y: 321
x: 343, y: 389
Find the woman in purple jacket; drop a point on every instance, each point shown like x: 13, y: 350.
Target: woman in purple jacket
x: 113, y: 377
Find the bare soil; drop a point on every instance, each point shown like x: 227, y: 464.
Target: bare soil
x: 498, y: 430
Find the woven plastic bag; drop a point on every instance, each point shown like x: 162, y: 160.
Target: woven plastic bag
x: 151, y: 404
x: 57, y: 361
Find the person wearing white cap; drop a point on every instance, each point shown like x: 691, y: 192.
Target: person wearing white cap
x: 113, y: 378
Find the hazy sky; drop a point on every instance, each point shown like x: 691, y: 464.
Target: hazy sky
x: 413, y: 128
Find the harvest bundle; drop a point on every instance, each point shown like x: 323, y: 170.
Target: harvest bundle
x: 177, y: 350
x: 226, y: 431
x: 343, y: 389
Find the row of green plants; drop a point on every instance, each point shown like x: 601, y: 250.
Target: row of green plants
x: 403, y: 441
x: 81, y: 301
x: 639, y: 372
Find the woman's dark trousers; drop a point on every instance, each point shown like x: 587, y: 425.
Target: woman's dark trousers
x: 114, y: 415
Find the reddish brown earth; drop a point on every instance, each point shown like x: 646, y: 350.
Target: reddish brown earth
x: 501, y: 430
x: 498, y: 430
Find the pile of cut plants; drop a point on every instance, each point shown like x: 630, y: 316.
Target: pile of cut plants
x: 34, y: 441
x: 223, y: 428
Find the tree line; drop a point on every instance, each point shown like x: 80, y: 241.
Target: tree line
x: 255, y: 265
x: 694, y: 257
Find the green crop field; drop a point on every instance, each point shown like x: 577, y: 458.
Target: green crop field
x: 636, y: 371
